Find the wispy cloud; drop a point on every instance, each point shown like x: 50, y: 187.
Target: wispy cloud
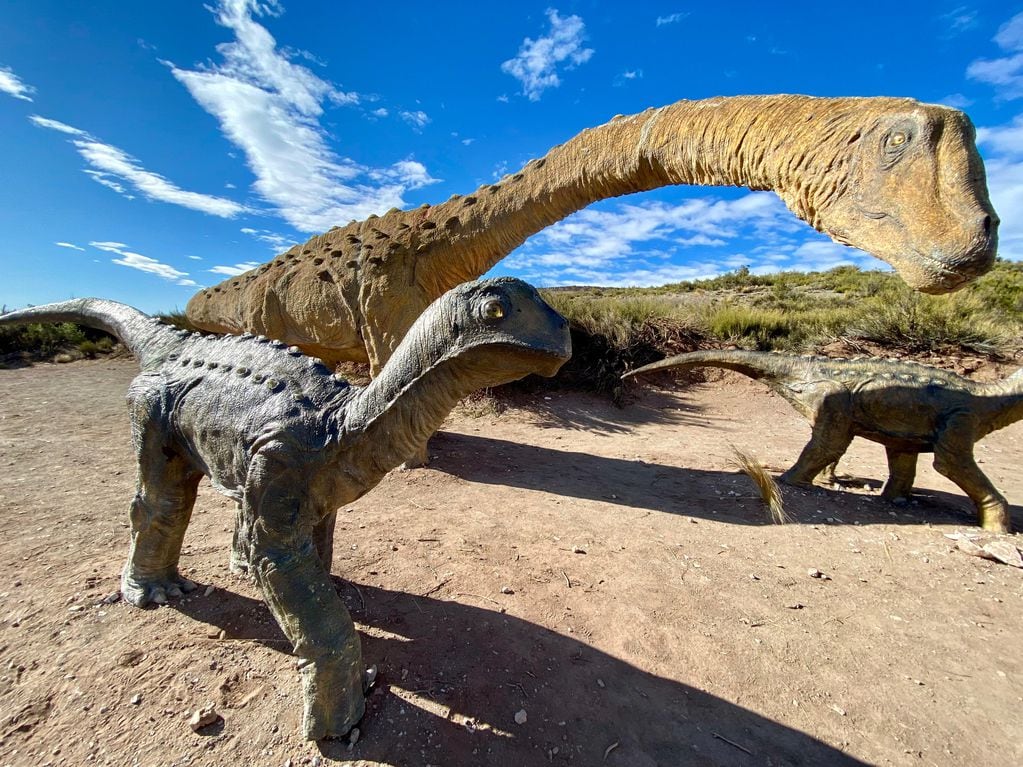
x: 417, y: 119
x: 671, y: 18
x: 236, y: 269
x: 1005, y: 73
x: 278, y: 242
x: 959, y: 20
x: 12, y: 85
x: 144, y: 263
x: 270, y: 108
x: 69, y: 245
x: 45, y: 122
x: 536, y: 63
x: 118, y: 170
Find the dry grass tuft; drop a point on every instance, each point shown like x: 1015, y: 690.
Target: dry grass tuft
x: 769, y: 491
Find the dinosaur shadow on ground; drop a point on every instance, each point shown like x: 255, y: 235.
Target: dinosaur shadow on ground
x: 593, y: 413
x: 453, y: 675
x: 718, y: 495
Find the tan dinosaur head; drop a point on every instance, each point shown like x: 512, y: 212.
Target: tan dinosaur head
x: 911, y: 192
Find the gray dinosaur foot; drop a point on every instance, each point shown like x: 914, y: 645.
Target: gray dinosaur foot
x: 794, y: 480
x: 335, y: 697
x: 239, y: 563
x: 141, y: 591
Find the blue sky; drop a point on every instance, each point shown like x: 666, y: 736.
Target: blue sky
x: 150, y: 149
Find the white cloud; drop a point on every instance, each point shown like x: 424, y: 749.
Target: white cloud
x: 69, y: 245
x: 195, y: 258
x: 12, y: 85
x: 417, y: 119
x: 113, y: 168
x: 144, y: 263
x: 672, y: 18
x: 45, y: 122
x: 537, y: 60
x: 1004, y: 165
x: 270, y: 108
x: 635, y: 243
x: 234, y: 271
x: 1005, y: 73
x: 380, y: 112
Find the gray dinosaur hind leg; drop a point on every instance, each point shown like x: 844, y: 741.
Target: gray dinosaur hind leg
x: 829, y: 439
x: 901, y: 473
x: 953, y: 457
x: 288, y: 569
x: 241, y: 542
x: 165, y: 493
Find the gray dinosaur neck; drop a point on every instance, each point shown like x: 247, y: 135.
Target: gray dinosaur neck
x: 392, y: 417
x: 1002, y: 402
x: 759, y: 142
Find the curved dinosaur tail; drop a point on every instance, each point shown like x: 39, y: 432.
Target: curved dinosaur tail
x: 757, y: 365
x: 136, y: 330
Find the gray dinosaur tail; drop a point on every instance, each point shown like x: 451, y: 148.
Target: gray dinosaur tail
x: 138, y: 331
x: 757, y: 365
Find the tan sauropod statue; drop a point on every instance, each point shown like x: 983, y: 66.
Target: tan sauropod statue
x: 900, y: 179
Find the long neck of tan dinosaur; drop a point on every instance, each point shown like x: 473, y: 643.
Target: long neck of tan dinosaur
x: 760, y: 142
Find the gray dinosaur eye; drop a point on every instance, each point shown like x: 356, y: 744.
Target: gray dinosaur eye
x: 492, y: 310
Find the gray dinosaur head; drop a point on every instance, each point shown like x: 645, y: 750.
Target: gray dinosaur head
x: 506, y: 318
x: 911, y: 192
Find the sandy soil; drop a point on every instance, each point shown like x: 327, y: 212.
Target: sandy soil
x: 655, y: 616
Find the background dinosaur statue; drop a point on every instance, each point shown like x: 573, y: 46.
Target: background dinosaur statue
x: 907, y: 407
x: 899, y: 179
x: 290, y: 442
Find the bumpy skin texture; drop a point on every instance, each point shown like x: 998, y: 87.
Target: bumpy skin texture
x: 907, y: 407
x: 290, y: 443
x: 899, y: 179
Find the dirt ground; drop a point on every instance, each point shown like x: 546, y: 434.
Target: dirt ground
x: 604, y: 570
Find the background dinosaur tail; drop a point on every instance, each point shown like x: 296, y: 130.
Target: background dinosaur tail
x: 757, y: 365
x: 141, y: 333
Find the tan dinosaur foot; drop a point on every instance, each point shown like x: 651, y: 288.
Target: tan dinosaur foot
x: 994, y: 518
x: 795, y: 480
x: 335, y: 696
x: 143, y: 590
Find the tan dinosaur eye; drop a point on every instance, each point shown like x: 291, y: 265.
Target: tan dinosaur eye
x: 492, y: 310
x: 898, y: 139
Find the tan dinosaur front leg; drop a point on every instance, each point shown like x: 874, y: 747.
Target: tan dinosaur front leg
x: 298, y: 590
x: 901, y: 473
x: 953, y: 457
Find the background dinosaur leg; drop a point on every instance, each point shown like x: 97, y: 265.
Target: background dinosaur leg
x: 165, y: 492
x: 901, y: 473
x: 830, y: 438
x: 953, y: 457
x: 301, y: 596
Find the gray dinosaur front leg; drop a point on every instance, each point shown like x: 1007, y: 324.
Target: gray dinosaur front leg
x: 323, y: 539
x: 288, y: 569
x: 160, y: 513
x: 165, y: 492
x: 830, y: 438
x: 901, y: 473
x: 953, y: 457
x: 241, y: 542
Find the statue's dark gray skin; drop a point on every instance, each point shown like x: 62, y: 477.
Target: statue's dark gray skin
x: 907, y: 407
x: 290, y: 442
